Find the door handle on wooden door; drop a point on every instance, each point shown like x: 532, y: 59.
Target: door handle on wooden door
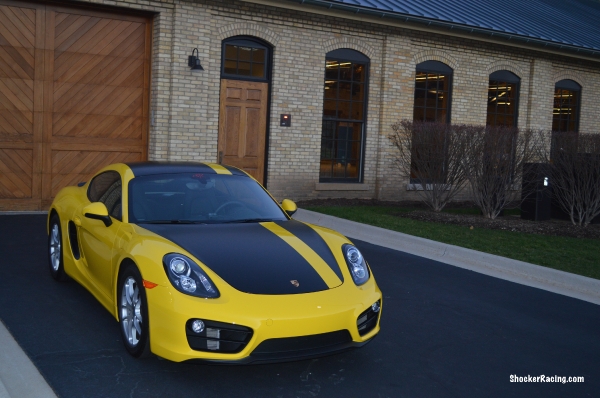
x: 220, y: 157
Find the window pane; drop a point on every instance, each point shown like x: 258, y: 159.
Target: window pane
x: 244, y: 69
x: 331, y: 89
x: 231, y: 67
x: 331, y: 70
x: 345, y: 92
x: 343, y: 110
x: 358, y: 93
x: 359, y: 73
x: 258, y: 70
x: 245, y: 53
x: 357, y: 110
x: 346, y: 71
x: 329, y: 108
x: 352, y: 169
x: 230, y: 51
x: 258, y: 55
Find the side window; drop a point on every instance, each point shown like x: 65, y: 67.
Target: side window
x: 433, y: 91
x: 106, y: 188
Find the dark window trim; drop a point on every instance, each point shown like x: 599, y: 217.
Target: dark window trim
x: 439, y: 68
x: 571, y: 85
x: 248, y: 41
x: 350, y: 55
x: 506, y: 76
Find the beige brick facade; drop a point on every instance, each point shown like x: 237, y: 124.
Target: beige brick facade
x: 185, y: 103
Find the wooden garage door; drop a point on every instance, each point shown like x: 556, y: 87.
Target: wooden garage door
x: 73, y: 97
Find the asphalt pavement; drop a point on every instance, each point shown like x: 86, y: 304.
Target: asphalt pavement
x: 446, y: 331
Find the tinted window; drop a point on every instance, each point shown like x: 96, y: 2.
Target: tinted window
x: 202, y: 198
x: 106, y: 188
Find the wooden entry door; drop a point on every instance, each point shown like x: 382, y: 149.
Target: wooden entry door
x: 243, y: 126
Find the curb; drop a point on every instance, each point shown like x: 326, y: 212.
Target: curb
x: 18, y: 375
x: 567, y: 284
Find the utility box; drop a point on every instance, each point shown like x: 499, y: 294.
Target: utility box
x: 536, y: 192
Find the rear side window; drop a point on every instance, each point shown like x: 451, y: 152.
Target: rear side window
x: 106, y: 188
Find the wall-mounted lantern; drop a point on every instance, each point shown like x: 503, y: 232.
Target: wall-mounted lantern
x: 194, y: 61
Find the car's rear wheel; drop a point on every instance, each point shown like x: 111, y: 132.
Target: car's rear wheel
x: 133, y: 312
x: 55, y: 250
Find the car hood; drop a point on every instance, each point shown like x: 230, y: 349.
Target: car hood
x: 281, y: 257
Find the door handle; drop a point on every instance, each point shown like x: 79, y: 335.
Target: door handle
x: 220, y: 157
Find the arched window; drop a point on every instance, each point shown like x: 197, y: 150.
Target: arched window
x: 245, y: 58
x: 565, y: 115
x: 344, y: 116
x: 503, y: 99
x: 433, y: 90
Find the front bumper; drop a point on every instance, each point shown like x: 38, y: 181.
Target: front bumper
x: 283, y: 327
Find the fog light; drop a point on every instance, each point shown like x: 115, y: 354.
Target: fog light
x: 198, y: 326
x: 375, y: 307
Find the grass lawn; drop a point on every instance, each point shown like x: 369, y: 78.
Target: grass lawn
x: 578, y: 256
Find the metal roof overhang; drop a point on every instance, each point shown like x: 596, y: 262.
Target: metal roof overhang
x: 431, y: 25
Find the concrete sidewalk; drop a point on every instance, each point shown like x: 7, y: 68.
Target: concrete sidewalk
x: 19, y: 378
x: 549, y: 279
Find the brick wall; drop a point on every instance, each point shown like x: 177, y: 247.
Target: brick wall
x: 185, y: 103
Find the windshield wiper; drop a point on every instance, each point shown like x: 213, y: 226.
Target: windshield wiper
x: 171, y: 222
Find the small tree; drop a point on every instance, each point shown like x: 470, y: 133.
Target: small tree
x: 575, y: 175
x: 494, y: 165
x: 431, y: 154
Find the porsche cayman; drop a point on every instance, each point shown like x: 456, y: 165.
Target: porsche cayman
x: 199, y: 262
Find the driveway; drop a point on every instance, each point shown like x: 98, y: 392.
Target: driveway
x: 446, y: 332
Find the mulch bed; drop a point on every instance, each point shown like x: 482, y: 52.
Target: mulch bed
x: 506, y: 223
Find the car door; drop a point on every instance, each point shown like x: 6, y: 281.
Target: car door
x: 97, y: 239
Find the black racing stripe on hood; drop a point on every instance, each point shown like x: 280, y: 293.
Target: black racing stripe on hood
x: 314, y: 241
x: 248, y: 257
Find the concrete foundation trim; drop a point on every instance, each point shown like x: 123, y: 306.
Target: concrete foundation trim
x: 326, y: 186
x: 571, y: 285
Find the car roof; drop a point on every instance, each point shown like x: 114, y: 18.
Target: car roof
x: 149, y: 168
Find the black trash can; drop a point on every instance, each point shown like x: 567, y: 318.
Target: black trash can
x: 536, y: 193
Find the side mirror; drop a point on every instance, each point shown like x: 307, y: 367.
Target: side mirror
x: 289, y: 207
x: 97, y: 211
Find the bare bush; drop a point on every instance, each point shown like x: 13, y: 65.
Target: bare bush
x: 575, y: 175
x: 431, y: 154
x: 494, y: 163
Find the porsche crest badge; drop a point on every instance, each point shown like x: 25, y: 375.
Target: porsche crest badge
x: 295, y: 283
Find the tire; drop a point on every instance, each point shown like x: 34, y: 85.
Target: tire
x: 55, y: 250
x: 133, y: 312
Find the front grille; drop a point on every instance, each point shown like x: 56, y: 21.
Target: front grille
x: 220, y: 337
x: 367, y: 320
x: 302, y: 345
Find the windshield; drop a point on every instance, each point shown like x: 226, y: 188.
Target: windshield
x: 199, y: 198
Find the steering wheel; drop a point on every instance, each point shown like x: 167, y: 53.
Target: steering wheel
x: 229, y: 203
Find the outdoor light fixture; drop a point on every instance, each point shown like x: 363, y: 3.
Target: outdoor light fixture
x: 194, y: 61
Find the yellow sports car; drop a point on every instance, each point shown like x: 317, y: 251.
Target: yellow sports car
x: 198, y: 262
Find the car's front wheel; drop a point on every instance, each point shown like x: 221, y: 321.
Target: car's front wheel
x: 55, y: 250
x: 133, y: 312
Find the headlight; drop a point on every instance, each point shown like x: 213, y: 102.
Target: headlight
x: 356, y: 264
x: 187, y: 277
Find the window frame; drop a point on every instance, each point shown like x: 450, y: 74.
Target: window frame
x: 573, y: 86
x: 247, y: 41
x: 506, y: 77
x: 355, y: 57
x: 439, y: 68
